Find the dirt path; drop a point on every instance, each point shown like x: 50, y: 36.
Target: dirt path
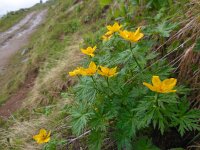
x: 17, y: 36
x: 10, y: 42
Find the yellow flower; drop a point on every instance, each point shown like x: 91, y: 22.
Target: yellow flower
x: 114, y: 28
x: 42, y: 137
x: 109, y: 72
x: 106, y: 37
x: 89, y: 51
x: 131, y: 36
x: 91, y: 70
x: 159, y: 86
x: 125, y: 34
x: 77, y: 71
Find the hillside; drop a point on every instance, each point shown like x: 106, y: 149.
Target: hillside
x: 84, y: 75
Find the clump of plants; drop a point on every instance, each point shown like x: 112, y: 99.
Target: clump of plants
x: 123, y: 92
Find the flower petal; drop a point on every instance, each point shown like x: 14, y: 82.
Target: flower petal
x: 149, y: 86
x: 156, y: 81
x: 43, y: 132
x: 46, y: 140
x: 92, y: 65
x: 169, y: 84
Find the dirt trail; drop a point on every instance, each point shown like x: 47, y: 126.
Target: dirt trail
x: 10, y: 42
x: 18, y: 36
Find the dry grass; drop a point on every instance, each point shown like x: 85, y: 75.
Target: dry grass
x: 187, y: 73
x: 189, y: 66
x: 52, y: 83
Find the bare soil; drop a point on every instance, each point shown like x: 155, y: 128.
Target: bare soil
x: 16, y: 100
x: 10, y: 42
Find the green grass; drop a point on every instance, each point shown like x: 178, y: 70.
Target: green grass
x: 11, y: 18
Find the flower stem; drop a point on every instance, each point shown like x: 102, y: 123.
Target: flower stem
x: 96, y: 87
x: 135, y: 57
x: 156, y: 98
x: 107, y: 80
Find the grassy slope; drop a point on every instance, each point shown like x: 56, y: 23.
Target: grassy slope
x: 54, y: 51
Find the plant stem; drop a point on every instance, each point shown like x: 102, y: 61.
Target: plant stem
x: 156, y: 99
x: 135, y: 58
x: 95, y: 84
x: 96, y: 87
x: 107, y: 80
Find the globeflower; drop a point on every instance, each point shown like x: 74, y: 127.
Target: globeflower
x: 159, y: 86
x: 131, y: 36
x: 108, y: 72
x: 106, y: 37
x: 91, y: 70
x: 114, y: 28
x: 89, y: 51
x: 42, y: 137
x: 77, y: 71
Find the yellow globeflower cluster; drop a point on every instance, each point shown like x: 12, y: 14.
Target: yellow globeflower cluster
x: 127, y: 35
x: 42, y: 136
x: 89, y: 51
x: 159, y: 86
x: 92, y: 69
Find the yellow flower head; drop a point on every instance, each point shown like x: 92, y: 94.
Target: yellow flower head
x: 89, y: 51
x: 91, y: 70
x: 125, y: 34
x: 42, y: 137
x: 131, y: 36
x: 108, y: 72
x: 107, y: 36
x: 77, y: 71
x: 159, y: 86
x: 114, y: 28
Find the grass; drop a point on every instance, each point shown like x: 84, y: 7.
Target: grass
x: 12, y: 18
x: 54, y: 52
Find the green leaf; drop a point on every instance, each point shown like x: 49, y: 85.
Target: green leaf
x: 104, y: 2
x: 144, y: 143
x: 197, y: 46
x: 80, y: 114
x: 96, y: 139
x: 165, y: 28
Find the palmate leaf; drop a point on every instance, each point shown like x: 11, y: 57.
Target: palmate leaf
x: 99, y: 122
x: 185, y: 119
x: 96, y: 139
x: 126, y: 128
x: 86, y: 90
x: 144, y: 143
x: 149, y: 112
x: 80, y: 114
x: 165, y: 28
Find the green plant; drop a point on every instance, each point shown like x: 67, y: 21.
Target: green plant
x: 53, y: 144
x: 115, y: 104
x: 143, y: 143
